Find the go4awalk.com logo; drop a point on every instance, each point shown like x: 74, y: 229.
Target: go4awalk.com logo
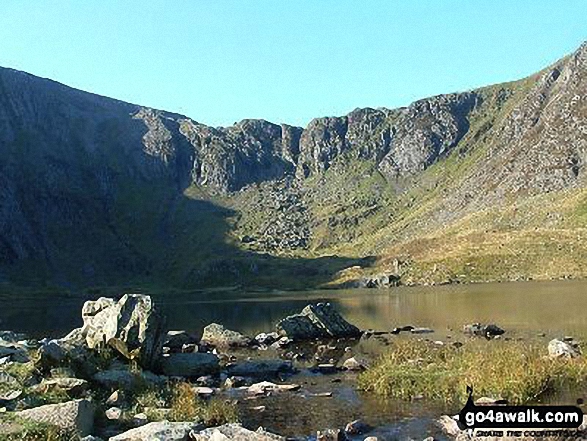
x: 497, y: 416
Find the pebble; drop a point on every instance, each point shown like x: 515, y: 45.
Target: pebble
x: 114, y: 413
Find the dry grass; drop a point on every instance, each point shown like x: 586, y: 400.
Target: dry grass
x: 517, y: 371
x: 186, y: 406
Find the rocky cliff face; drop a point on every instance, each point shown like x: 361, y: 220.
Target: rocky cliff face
x: 90, y: 187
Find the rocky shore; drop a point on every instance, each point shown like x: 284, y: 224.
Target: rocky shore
x: 125, y: 376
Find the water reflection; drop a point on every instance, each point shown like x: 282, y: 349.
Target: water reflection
x: 552, y: 307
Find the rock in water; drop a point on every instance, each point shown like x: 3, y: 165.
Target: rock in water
x: 317, y: 321
x: 489, y: 331
x: 132, y: 326
x: 192, y: 364
x: 75, y: 415
x: 218, y: 335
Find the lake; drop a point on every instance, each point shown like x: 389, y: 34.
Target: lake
x: 525, y: 307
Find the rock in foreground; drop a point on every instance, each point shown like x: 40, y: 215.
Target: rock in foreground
x: 317, y: 321
x: 235, y: 432
x: 132, y: 326
x: 159, y: 431
x: 75, y: 415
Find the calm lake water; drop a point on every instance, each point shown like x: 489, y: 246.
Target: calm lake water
x: 525, y: 307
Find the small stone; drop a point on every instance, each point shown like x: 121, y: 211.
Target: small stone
x: 357, y: 427
x: 115, y: 398
x: 203, y: 391
x: 234, y: 381
x: 321, y: 395
x: 488, y: 401
x: 331, y: 435
x: 140, y: 419
x: 326, y: 368
x: 266, y: 387
x: 10, y: 396
x: 422, y: 331
x: 352, y: 364
x: 267, y: 339
x: 114, y: 413
x: 449, y: 425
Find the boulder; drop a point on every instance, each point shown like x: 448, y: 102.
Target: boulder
x: 177, y: 339
x: 14, y: 351
x: 132, y: 326
x: 234, y: 432
x: 217, y: 335
x: 317, y: 321
x: 159, y: 431
x: 260, y: 368
x: 75, y: 415
x: 74, y: 387
x: 122, y: 378
x: 489, y: 331
x: 562, y: 349
x: 193, y: 364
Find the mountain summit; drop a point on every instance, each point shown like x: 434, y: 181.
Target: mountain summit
x: 482, y: 185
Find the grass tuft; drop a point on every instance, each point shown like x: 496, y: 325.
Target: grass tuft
x: 186, y: 406
x: 517, y: 371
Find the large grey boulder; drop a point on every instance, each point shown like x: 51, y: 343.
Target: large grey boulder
x: 317, y: 321
x: 75, y: 415
x: 191, y: 364
x: 218, y: 335
x: 234, y: 432
x: 132, y: 326
x: 159, y: 431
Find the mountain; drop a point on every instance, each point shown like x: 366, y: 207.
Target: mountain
x: 482, y: 185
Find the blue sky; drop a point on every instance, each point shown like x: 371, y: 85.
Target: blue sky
x: 219, y: 61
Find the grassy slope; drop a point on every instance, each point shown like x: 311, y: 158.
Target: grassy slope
x: 355, y: 212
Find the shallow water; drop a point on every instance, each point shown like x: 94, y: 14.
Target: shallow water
x: 523, y: 309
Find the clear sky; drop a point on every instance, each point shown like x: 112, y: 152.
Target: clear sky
x: 219, y: 61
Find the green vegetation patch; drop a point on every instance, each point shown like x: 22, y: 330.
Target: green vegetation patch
x: 517, y: 371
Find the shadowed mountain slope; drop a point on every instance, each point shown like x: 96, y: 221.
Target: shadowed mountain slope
x: 482, y: 185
